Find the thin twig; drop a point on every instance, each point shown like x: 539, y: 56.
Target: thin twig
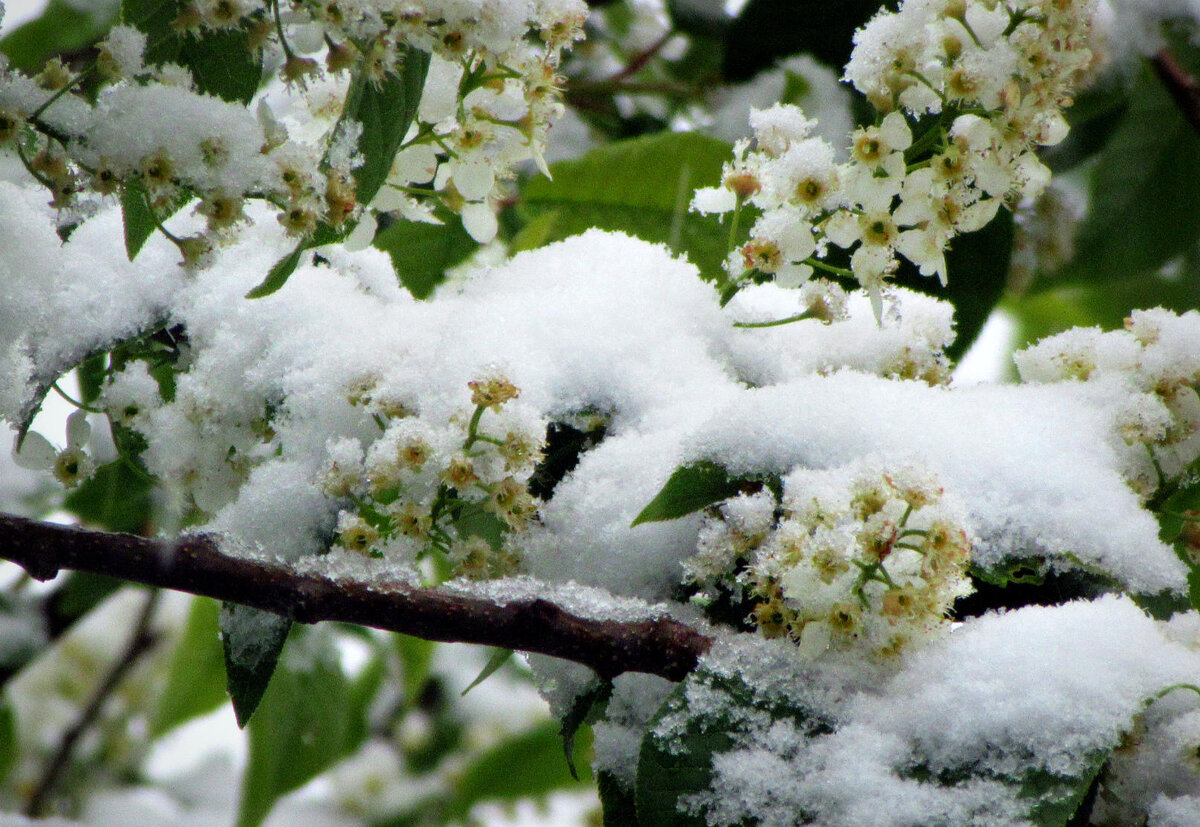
x: 141, y: 640
x: 196, y: 564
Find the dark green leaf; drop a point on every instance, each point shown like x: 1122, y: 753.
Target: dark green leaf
x: 1012, y: 570
x: 8, y: 739
x: 302, y: 727
x: 1144, y: 205
x: 421, y: 253
x: 498, y: 658
x: 585, y: 709
x: 196, y: 675
x: 676, y: 760
x: 115, y: 497
x: 642, y: 187
x: 767, y: 30
x: 385, y: 109
x: 526, y: 765
x: 617, y: 802
x: 60, y: 29
x: 416, y: 656
x: 221, y: 62
x: 977, y: 273
x: 1057, y: 798
x: 252, y: 642
x: 139, y: 221
x: 473, y: 520
x: 279, y: 274
x: 696, y: 486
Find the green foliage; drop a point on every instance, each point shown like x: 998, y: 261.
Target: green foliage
x: 765, y: 31
x: 977, y: 273
x: 253, y: 641
x: 60, y: 29
x: 196, y: 674
x: 116, y: 496
x: 384, y: 109
x: 421, y: 253
x: 221, y: 62
x: 139, y: 220
x: 8, y: 739
x: 498, y: 658
x: 696, y: 486
x: 526, y: 765
x: 642, y: 187
x: 279, y: 273
x: 676, y: 763
x: 587, y: 708
x: 303, y: 726
x: 1144, y: 208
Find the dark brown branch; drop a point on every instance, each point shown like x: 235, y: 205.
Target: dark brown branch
x: 196, y: 565
x: 1184, y: 88
x: 141, y: 640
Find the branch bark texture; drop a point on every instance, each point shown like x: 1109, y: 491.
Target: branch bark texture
x: 195, y: 564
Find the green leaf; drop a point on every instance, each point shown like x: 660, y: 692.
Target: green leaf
x: 1144, y: 205
x: 115, y: 497
x: 60, y: 29
x: 767, y: 30
x: 587, y: 708
x: 1055, y: 798
x: 499, y: 658
x: 1030, y: 571
x: 696, y: 486
x: 676, y: 755
x: 8, y: 739
x: 421, y: 253
x: 196, y: 675
x: 642, y: 187
x: 302, y: 727
x: 280, y: 273
x: 385, y: 109
x: 139, y: 221
x: 416, y: 658
x: 252, y: 642
x: 221, y: 62
x: 618, y: 803
x: 526, y: 765
x: 473, y: 520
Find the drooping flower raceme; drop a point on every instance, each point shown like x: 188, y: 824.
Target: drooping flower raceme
x: 982, y: 84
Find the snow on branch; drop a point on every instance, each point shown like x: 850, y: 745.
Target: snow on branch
x: 195, y: 564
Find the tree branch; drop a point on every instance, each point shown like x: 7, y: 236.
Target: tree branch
x: 141, y: 640
x: 195, y: 564
x: 1184, y: 88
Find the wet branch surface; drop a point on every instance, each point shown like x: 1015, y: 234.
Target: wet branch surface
x: 195, y: 564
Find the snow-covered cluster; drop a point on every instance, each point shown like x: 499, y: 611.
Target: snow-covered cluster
x: 342, y: 425
x: 489, y: 98
x: 997, y: 77
x: 1154, y: 367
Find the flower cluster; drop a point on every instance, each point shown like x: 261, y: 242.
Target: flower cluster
x: 1153, y: 369
x: 871, y: 560
x: 490, y: 98
x: 984, y: 83
x: 454, y: 488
